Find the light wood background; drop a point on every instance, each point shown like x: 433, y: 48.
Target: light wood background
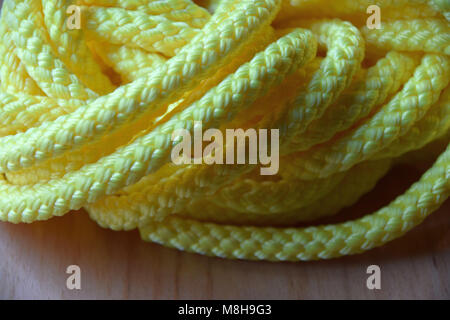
x: 118, y: 265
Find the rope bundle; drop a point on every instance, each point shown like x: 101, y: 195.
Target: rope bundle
x: 86, y: 117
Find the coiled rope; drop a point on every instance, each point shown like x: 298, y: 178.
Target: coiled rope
x: 86, y: 117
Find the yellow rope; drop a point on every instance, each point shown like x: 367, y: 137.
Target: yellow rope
x: 87, y: 116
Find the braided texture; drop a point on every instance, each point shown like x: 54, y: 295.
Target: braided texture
x: 87, y: 117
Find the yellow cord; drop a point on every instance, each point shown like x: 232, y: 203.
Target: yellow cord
x: 87, y: 116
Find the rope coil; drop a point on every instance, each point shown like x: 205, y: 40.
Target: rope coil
x: 87, y: 116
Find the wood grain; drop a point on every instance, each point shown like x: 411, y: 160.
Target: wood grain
x: 118, y: 265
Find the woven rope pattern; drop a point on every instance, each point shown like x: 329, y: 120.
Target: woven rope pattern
x: 87, y: 116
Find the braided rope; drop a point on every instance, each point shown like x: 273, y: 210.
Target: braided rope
x: 87, y: 116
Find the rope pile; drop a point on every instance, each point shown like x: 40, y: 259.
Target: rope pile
x: 87, y: 116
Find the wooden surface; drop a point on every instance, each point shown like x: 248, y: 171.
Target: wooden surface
x: 119, y: 265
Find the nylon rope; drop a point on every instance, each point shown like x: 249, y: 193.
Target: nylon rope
x: 87, y: 115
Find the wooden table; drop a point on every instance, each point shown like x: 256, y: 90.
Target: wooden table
x: 119, y: 265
